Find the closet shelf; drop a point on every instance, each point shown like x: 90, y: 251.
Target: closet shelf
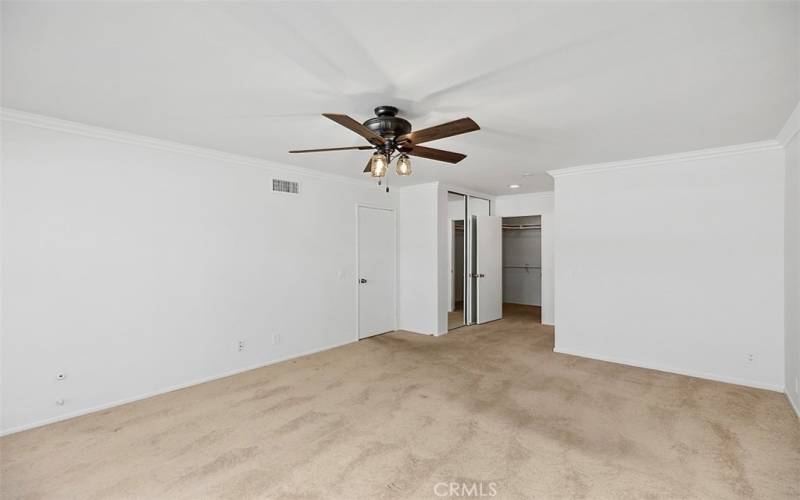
x: 516, y: 227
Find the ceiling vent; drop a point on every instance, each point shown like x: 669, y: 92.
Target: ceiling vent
x: 281, y: 186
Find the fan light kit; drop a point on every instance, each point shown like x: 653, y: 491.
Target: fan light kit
x: 403, y: 165
x: 391, y: 138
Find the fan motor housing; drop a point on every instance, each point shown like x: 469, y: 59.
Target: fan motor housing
x: 387, y: 124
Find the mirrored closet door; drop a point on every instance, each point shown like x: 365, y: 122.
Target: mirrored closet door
x: 456, y: 235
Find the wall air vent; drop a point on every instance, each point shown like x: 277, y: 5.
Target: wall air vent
x: 281, y: 186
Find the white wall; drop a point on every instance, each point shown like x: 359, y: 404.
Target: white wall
x: 675, y: 263
x: 137, y: 268
x: 419, y: 245
x: 536, y: 204
x: 790, y: 136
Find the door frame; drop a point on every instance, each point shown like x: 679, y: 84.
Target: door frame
x: 356, y: 278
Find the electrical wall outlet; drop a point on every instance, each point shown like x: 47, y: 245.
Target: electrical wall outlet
x: 750, y: 357
x: 276, y: 338
x: 241, y: 345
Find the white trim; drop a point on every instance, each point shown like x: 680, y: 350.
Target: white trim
x: 358, y: 265
x: 120, y: 402
x: 791, y: 128
x: 669, y: 369
x: 70, y: 127
x: 795, y: 406
x: 701, y: 154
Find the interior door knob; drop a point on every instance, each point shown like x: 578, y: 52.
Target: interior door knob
x: 481, y: 276
x: 362, y: 281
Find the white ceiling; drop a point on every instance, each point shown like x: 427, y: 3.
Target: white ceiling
x: 552, y: 85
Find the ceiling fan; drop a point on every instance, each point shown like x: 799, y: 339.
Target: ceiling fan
x: 391, y: 137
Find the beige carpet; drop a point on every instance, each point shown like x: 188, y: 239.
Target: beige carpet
x: 391, y: 417
x: 455, y: 318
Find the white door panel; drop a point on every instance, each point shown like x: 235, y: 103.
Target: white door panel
x: 376, y: 269
x: 489, y: 266
x: 475, y: 206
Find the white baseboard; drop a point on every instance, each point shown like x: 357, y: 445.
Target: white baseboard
x: 105, y: 406
x: 669, y: 369
x: 794, y: 404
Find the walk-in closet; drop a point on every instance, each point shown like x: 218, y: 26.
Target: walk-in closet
x: 522, y: 263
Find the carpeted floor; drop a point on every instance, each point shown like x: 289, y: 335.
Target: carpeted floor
x: 489, y: 409
x: 455, y: 318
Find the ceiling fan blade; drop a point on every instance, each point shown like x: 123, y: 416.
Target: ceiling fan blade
x: 329, y: 149
x: 434, y: 154
x: 356, y: 127
x: 448, y: 129
x: 368, y: 168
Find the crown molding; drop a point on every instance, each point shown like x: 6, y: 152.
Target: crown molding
x: 787, y: 133
x: 70, y: 127
x: 701, y: 154
x: 791, y: 128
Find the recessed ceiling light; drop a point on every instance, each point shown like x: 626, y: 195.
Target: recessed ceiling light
x: 514, y: 186
x: 527, y: 174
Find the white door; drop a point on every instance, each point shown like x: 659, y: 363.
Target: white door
x: 376, y: 271
x: 489, y: 266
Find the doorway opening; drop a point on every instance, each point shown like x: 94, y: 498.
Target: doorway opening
x: 522, y: 266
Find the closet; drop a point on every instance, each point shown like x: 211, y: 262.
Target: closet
x: 522, y: 260
x: 457, y: 212
x: 474, y: 244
